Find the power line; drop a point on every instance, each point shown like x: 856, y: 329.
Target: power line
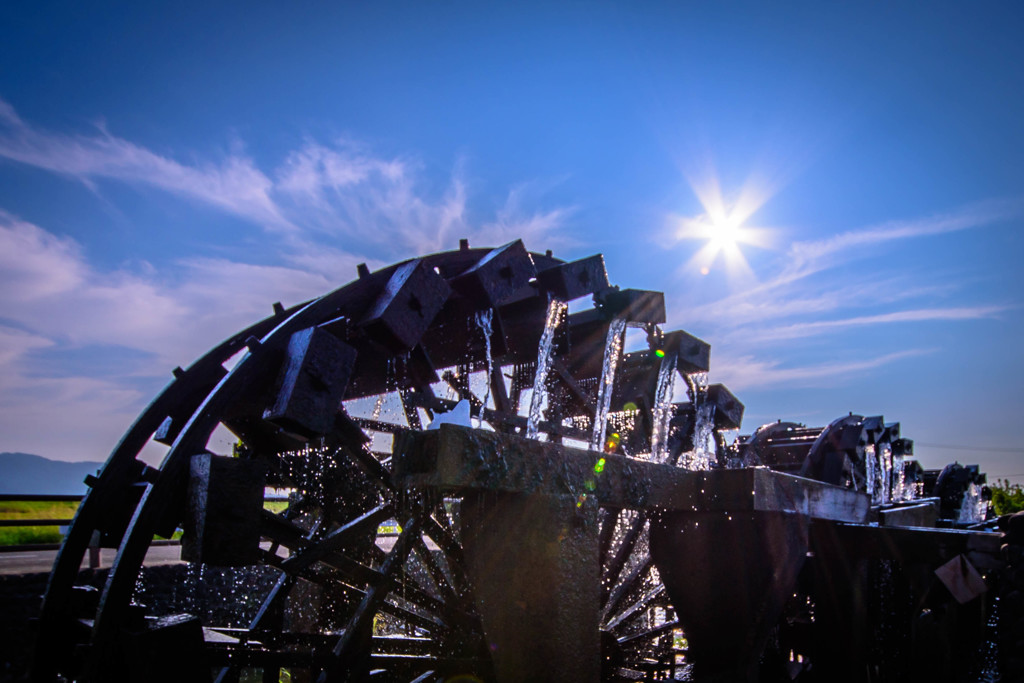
x: 955, y: 447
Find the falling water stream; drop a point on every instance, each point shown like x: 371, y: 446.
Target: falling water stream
x: 378, y: 406
x: 483, y: 321
x: 539, y: 397
x: 871, y: 473
x: 612, y: 352
x: 663, y: 408
x: 885, y: 467
x: 973, y: 507
x: 702, y: 455
x: 899, y: 483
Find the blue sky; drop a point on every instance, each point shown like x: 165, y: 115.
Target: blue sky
x: 169, y: 171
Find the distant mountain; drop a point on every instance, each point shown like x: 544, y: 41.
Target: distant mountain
x: 22, y: 473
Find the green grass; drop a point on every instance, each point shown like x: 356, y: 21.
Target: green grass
x: 275, y: 506
x: 31, y: 509
x: 28, y: 535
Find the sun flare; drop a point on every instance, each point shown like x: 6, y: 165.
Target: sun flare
x: 723, y: 230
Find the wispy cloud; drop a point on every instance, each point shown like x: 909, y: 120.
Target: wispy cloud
x: 807, y: 257
x: 808, y: 329
x: 323, y: 194
x: 514, y: 220
x: 324, y: 209
x: 741, y: 372
x: 51, y: 290
x: 781, y: 292
x: 55, y: 302
x: 819, y: 288
x: 234, y: 185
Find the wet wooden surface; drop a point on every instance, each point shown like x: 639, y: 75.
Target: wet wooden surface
x: 456, y: 457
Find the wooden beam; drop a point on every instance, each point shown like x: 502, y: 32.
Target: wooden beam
x: 913, y: 544
x: 456, y: 457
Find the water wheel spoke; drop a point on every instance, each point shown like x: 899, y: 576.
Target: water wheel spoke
x: 502, y: 404
x: 380, y: 426
x: 349, y: 569
x: 434, y: 626
x: 372, y: 468
x: 650, y: 634
x: 437, y: 575
x: 357, y: 629
x: 585, y: 400
x: 363, y: 526
x: 624, y: 552
x: 633, y: 581
x: 460, y: 384
x: 638, y: 608
x: 410, y: 410
x: 271, y: 607
x: 609, y: 521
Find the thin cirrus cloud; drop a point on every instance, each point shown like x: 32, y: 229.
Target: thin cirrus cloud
x: 235, y: 186
x: 799, y: 303
x: 52, y: 290
x: 57, y: 305
x: 808, y: 257
x: 323, y: 210
x: 744, y: 371
x: 807, y: 329
x: 804, y: 259
x: 336, y: 196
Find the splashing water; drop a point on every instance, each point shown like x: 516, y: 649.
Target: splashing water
x: 702, y: 455
x: 663, y: 408
x: 973, y: 507
x: 378, y: 406
x: 885, y: 471
x: 899, y: 483
x: 612, y: 351
x: 483, y: 321
x: 871, y: 473
x: 539, y: 398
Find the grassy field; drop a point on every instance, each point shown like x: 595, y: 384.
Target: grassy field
x: 30, y: 509
x: 26, y: 509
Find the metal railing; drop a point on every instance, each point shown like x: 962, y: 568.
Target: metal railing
x: 37, y: 498
x: 94, y: 548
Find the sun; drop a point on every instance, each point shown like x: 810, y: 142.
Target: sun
x: 725, y: 234
x: 723, y: 230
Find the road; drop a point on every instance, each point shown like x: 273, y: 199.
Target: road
x: 41, y: 561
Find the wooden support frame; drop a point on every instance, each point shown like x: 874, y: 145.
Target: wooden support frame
x: 456, y: 457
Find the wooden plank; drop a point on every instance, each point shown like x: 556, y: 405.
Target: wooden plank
x: 923, y: 514
x: 911, y: 544
x: 455, y: 457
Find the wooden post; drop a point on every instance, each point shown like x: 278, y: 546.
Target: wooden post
x: 521, y: 551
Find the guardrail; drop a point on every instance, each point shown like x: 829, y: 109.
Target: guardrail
x: 94, y: 549
x: 386, y: 529
x: 37, y: 498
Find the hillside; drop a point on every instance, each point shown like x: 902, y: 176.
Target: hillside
x: 23, y: 473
